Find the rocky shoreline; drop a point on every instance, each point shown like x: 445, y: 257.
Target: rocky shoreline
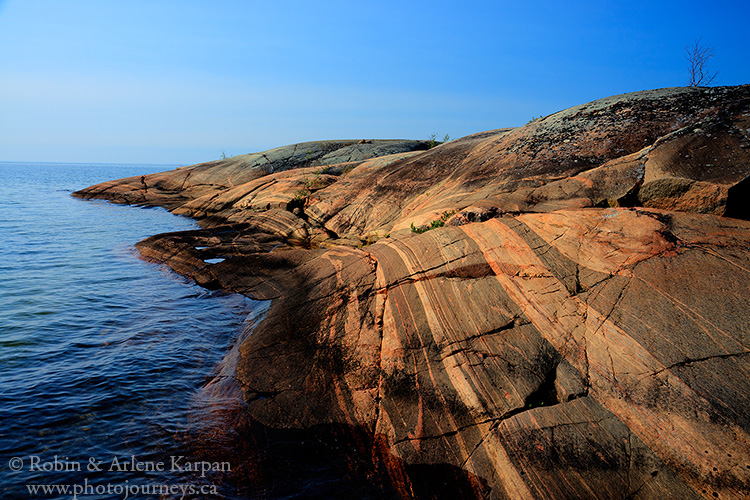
x: 558, y: 310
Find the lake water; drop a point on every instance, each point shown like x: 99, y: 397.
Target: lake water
x: 101, y: 353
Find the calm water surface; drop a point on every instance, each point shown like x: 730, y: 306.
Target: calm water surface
x: 101, y: 353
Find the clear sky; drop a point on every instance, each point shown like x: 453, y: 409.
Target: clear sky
x: 181, y: 81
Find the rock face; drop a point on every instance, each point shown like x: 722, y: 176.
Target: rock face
x: 559, y: 310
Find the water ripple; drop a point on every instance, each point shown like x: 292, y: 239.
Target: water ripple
x: 100, y: 352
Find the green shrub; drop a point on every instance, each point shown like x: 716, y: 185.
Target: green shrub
x: 434, y: 142
x: 440, y: 222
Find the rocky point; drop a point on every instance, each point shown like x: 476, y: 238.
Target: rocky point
x: 558, y: 310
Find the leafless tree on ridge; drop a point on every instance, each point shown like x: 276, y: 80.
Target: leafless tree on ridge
x: 698, y: 56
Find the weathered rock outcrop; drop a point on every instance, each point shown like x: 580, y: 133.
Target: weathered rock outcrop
x: 559, y: 310
x: 205, y: 181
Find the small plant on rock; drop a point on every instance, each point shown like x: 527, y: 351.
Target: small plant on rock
x: 312, y: 184
x: 301, y: 194
x: 434, y: 142
x: 440, y: 222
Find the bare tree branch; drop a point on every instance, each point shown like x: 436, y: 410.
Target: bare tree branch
x: 698, y: 56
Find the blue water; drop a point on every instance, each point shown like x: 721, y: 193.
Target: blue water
x: 101, y: 353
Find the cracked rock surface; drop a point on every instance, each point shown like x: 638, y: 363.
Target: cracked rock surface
x: 572, y: 321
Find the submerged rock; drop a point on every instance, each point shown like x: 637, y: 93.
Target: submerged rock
x: 558, y: 310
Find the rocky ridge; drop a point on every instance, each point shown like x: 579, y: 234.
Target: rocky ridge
x: 558, y: 310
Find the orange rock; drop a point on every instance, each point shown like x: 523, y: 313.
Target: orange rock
x: 572, y: 324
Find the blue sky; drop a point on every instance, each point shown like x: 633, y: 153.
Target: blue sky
x: 167, y: 81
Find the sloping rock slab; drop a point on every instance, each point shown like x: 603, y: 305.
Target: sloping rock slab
x: 558, y: 310
x: 577, y: 354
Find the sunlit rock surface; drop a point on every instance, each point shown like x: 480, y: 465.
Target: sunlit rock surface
x: 559, y: 310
